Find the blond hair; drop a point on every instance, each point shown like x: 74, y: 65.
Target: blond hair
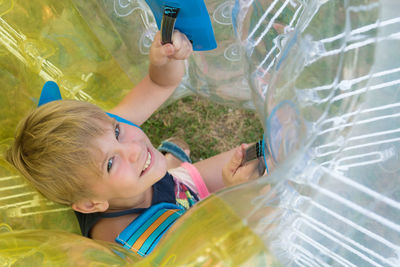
x: 54, y: 148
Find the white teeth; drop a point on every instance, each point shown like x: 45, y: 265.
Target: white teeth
x: 148, y: 161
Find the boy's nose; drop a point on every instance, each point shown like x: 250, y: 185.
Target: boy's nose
x: 132, y: 151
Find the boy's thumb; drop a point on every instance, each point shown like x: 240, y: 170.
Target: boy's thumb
x: 237, y: 158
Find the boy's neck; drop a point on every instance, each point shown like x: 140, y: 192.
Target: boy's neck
x: 144, y: 202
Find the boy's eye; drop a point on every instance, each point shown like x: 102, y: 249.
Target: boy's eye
x: 117, y: 131
x: 110, y: 164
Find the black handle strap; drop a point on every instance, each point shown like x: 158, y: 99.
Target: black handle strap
x: 168, y: 23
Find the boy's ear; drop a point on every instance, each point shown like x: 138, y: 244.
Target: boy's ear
x: 90, y: 206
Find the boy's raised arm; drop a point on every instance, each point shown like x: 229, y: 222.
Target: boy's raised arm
x: 165, y: 73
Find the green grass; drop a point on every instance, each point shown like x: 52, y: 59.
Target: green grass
x: 207, y: 127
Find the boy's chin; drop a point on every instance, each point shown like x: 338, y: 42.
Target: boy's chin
x: 159, y: 176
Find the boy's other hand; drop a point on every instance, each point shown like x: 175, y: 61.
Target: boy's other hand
x: 234, y: 172
x: 180, y: 49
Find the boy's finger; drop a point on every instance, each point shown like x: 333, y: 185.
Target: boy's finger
x: 177, y: 39
x: 233, y: 164
x: 248, y: 171
x: 182, y: 45
x: 157, y: 40
x: 168, y: 50
x: 280, y: 28
x: 236, y: 159
x: 159, y: 55
x: 230, y: 168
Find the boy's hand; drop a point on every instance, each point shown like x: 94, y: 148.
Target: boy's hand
x: 180, y: 49
x: 234, y: 173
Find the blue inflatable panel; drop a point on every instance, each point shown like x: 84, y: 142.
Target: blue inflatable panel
x: 193, y: 20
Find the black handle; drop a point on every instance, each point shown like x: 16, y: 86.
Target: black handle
x: 256, y: 151
x: 168, y: 23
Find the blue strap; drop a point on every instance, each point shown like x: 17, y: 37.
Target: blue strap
x: 120, y: 119
x: 138, y: 227
x: 169, y: 147
x: 142, y: 218
x: 142, y: 228
x: 152, y: 240
x: 264, y: 153
x: 51, y: 92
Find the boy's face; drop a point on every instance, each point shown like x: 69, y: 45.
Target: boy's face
x: 130, y: 166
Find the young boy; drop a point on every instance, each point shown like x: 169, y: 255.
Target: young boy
x: 104, y: 166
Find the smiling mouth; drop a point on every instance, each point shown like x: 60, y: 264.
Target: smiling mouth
x: 147, y: 163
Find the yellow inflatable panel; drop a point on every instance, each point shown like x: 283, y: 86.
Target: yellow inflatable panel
x: 210, y: 234
x: 55, y: 248
x: 226, y: 241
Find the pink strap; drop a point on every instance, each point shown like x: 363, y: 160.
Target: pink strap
x: 197, y: 179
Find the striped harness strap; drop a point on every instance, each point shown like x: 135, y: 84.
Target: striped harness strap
x: 143, y: 234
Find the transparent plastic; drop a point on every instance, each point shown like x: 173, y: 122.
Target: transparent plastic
x: 322, y: 74
x: 329, y: 92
